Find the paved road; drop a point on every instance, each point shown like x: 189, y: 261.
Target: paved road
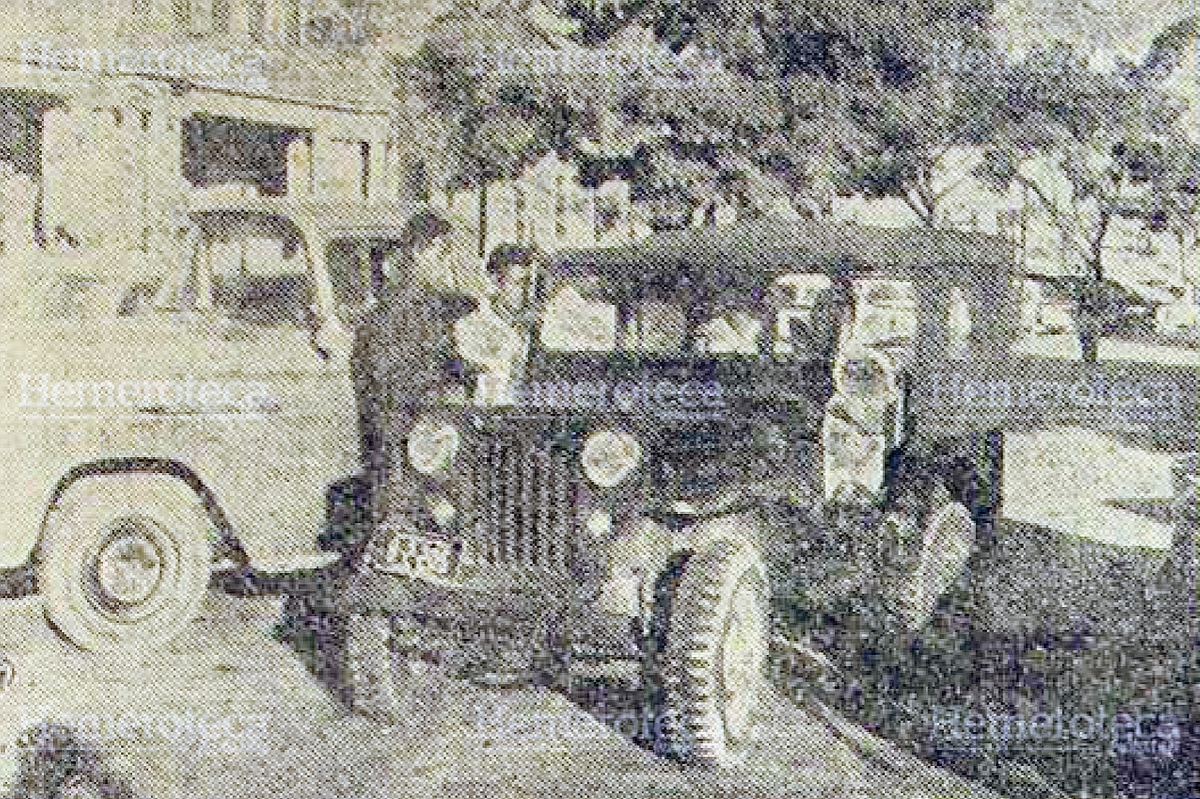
x: 228, y: 710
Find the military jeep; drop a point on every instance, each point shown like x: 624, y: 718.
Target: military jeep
x: 691, y: 429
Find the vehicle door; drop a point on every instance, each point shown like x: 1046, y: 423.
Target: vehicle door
x: 278, y: 424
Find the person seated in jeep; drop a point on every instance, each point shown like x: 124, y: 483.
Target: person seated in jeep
x: 856, y: 427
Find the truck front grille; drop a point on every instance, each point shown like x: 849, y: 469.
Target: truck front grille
x: 525, y: 499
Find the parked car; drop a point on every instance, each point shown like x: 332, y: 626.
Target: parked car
x: 1122, y: 310
x: 1050, y: 308
x: 179, y: 416
x: 646, y: 496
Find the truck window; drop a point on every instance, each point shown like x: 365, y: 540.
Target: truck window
x: 886, y: 311
x: 260, y: 280
x: 572, y: 323
x: 885, y: 317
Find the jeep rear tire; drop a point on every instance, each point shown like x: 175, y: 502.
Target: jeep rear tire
x: 945, y: 545
x: 124, y: 560
x: 713, y: 653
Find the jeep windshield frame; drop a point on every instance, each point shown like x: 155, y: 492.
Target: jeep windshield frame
x: 735, y: 265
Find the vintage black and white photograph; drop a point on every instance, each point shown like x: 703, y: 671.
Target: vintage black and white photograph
x: 631, y: 399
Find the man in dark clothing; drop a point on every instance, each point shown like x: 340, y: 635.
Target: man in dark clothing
x: 403, y: 349
x: 403, y: 356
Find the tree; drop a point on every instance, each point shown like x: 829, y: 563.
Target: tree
x: 911, y: 141
x: 792, y: 97
x: 1078, y: 142
x: 863, y: 97
x: 1173, y: 202
x: 1177, y: 182
x: 1166, y: 50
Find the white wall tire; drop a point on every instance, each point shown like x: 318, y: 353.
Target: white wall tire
x: 124, y: 561
x: 713, y: 655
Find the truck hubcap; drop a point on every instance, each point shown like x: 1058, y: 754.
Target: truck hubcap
x: 129, y: 566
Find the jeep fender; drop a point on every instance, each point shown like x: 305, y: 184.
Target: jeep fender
x: 645, y: 548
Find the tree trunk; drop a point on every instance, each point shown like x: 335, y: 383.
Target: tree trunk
x: 483, y: 216
x: 1089, y: 313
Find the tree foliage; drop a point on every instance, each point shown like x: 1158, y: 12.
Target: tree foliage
x: 801, y: 99
x: 1089, y: 147
x: 746, y: 101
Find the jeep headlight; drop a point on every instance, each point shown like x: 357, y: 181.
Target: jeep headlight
x: 609, y: 457
x: 432, y: 445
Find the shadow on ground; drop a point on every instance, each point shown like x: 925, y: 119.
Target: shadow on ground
x: 53, y: 761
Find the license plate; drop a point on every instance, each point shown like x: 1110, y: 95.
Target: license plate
x: 417, y: 556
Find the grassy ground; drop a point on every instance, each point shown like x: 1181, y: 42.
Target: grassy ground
x: 1077, y: 630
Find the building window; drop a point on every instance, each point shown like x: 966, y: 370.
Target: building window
x: 220, y: 16
x: 220, y: 150
x: 415, y: 185
x: 256, y: 12
x: 198, y: 17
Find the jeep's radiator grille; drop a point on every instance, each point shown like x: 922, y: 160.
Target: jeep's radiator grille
x: 525, y: 497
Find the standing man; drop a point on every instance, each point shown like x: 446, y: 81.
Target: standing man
x: 403, y: 353
x: 403, y: 356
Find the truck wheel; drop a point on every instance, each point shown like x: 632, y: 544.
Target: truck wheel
x: 712, y: 659
x: 124, y: 561
x: 945, y: 545
x: 368, y: 673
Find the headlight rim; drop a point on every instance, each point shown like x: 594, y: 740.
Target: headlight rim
x: 624, y: 470
x: 439, y: 463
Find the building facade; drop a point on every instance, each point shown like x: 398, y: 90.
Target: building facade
x: 115, y: 112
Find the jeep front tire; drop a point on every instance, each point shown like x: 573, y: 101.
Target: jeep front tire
x: 713, y: 652
x: 124, y: 561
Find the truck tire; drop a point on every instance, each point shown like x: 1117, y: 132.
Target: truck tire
x: 713, y: 652
x: 124, y: 561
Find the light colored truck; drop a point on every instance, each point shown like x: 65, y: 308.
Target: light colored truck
x: 167, y: 420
